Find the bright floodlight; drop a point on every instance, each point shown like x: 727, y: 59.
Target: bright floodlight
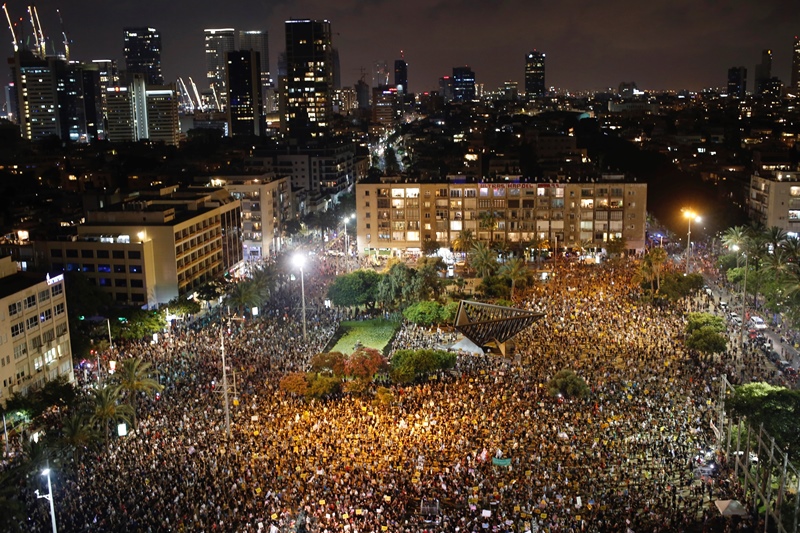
x: 46, y: 472
x: 691, y: 215
x: 735, y: 247
x: 299, y: 260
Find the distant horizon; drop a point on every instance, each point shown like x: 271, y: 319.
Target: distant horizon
x: 662, y: 46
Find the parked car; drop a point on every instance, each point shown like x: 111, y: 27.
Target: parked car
x: 757, y: 322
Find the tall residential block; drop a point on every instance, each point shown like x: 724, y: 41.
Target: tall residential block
x: 534, y: 74
x: 143, y: 54
x: 763, y: 72
x: 309, y: 79
x: 218, y: 42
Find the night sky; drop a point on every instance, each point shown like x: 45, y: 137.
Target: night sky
x: 590, y: 45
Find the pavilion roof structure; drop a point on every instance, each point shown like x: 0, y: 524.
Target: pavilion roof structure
x: 492, y: 326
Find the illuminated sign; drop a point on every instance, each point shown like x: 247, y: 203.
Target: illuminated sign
x: 56, y: 279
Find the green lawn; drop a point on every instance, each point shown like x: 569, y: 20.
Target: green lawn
x: 372, y: 333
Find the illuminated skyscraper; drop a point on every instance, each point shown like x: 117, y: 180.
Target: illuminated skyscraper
x: 796, y: 65
x: 143, y: 54
x: 245, y: 107
x: 309, y: 78
x: 463, y: 84
x: 534, y: 74
x: 218, y: 43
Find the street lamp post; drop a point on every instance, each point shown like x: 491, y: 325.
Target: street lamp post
x: 735, y: 248
x: 690, y: 215
x: 299, y: 261
x: 49, y: 498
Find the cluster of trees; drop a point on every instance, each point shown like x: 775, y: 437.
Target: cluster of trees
x: 408, y: 366
x: 395, y: 288
x: 664, y: 281
x: 71, y: 423
x: 770, y: 260
x: 334, y: 372
x: 567, y: 384
x: 705, y: 333
x: 430, y: 312
x: 777, y: 408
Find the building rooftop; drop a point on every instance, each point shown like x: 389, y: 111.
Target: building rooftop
x: 19, y: 282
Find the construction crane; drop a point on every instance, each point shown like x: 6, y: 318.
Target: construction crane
x: 186, y: 94
x: 197, y: 94
x: 11, y: 27
x: 64, y: 35
x: 42, y: 42
x: 35, y: 33
x: 214, y: 92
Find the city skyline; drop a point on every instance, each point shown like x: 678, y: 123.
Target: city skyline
x: 660, y: 45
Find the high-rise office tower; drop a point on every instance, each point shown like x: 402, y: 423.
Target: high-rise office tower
x: 309, y: 78
x: 143, y: 54
x: 245, y: 96
x: 258, y: 40
x: 163, y: 122
x: 763, y: 71
x: 737, y: 82
x: 463, y: 84
x: 401, y: 75
x: 218, y: 43
x: 534, y: 74
x: 796, y: 65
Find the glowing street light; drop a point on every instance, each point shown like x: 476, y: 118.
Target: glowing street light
x: 347, y: 243
x: 300, y: 261
x: 690, y: 216
x: 49, y: 498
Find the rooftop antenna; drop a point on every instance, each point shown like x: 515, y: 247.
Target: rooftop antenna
x: 42, y: 43
x: 64, y: 35
x: 402, y: 55
x: 11, y: 27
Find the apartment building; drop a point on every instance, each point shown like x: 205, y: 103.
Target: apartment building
x: 774, y: 200
x: 34, y: 331
x: 397, y: 216
x: 155, y: 246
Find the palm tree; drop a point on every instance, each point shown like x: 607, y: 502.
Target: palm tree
x: 503, y: 248
x: 76, y: 434
x: 244, y: 295
x: 463, y: 243
x: 488, y: 221
x: 656, y: 258
x: 791, y: 245
x: 516, y: 270
x: 774, y: 237
x: 264, y: 278
x: 133, y: 377
x: 735, y: 237
x: 107, y: 409
x: 483, y: 259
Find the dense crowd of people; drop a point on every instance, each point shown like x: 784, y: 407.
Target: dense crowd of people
x: 482, y: 448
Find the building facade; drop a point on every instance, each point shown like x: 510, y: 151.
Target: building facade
x: 737, y: 82
x: 534, y: 74
x: 401, y: 75
x: 143, y: 54
x: 154, y: 247
x: 795, y: 79
x: 258, y: 40
x: 267, y: 205
x: 34, y: 330
x: 774, y: 200
x: 401, y: 216
x: 309, y: 79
